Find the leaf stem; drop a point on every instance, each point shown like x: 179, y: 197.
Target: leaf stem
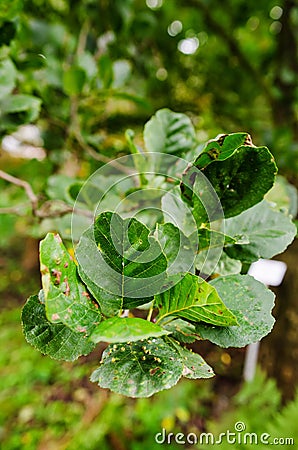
x: 149, y: 315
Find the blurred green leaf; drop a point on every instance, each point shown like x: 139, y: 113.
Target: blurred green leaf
x: 7, y: 32
x: 8, y: 76
x: 169, y: 132
x: 105, y: 71
x: 8, y: 10
x: 74, y: 80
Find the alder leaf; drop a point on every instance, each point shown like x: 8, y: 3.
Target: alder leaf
x: 265, y: 232
x: 196, y: 300
x: 128, y: 329
x: 194, y: 366
x: 169, y: 132
x: 121, y: 257
x: 209, y: 238
x: 139, y: 369
x: 230, y: 164
x: 182, y: 331
x: 53, y: 339
x: 179, y: 250
x: 66, y: 298
x: 251, y: 302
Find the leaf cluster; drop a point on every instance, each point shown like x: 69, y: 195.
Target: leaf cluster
x: 123, y: 267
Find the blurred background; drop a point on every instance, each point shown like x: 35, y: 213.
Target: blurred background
x: 74, y: 75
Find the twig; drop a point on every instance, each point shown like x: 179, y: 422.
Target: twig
x: 25, y: 185
x: 48, y: 209
x: 16, y: 210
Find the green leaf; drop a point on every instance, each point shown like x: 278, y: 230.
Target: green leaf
x: 7, y: 32
x: 110, y: 304
x: 118, y: 329
x: 213, y: 263
x: 8, y: 10
x: 120, y: 256
x: 179, y: 250
x: 66, y: 298
x: 121, y: 72
x: 194, y: 366
x: 105, y: 71
x: 182, y: 331
x: 196, y: 300
x: 177, y: 212
x: 139, y: 369
x: 264, y: 231
x: 209, y: 238
x: 8, y: 76
x: 169, y: 132
x: 19, y: 109
x: 284, y: 195
x: 251, y: 303
x: 230, y: 164
x: 74, y: 80
x: 53, y: 339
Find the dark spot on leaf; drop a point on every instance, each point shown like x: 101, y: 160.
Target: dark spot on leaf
x: 57, y: 275
x: 153, y: 371
x: 213, y: 153
x: 192, y: 177
x: 67, y: 288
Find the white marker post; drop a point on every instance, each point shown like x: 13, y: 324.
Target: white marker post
x: 271, y: 273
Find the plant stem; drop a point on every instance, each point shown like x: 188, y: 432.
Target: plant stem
x: 149, y: 315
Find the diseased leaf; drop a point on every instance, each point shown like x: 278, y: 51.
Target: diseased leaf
x: 196, y: 300
x: 128, y: 329
x: 53, y: 339
x: 194, y: 366
x: 74, y: 80
x: 230, y: 164
x: 139, y: 369
x: 120, y: 256
x: 66, y: 298
x: 169, y: 132
x: 109, y: 304
x: 265, y: 232
x: 251, y: 302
